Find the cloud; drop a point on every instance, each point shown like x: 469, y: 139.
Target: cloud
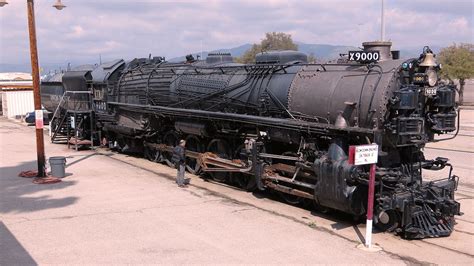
x: 76, y: 32
x: 109, y: 46
x: 112, y: 29
x: 413, y: 27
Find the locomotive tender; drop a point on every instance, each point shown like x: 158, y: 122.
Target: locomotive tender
x: 285, y: 125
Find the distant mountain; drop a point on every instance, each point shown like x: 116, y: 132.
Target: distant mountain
x: 15, y: 68
x: 414, y: 52
x: 322, y: 52
x: 236, y: 51
x: 26, y: 67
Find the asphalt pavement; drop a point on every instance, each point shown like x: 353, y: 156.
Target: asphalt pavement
x: 115, y: 209
x: 111, y: 212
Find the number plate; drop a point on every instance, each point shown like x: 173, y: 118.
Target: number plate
x: 364, y: 56
x: 430, y: 91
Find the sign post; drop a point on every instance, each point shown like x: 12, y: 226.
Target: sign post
x: 363, y: 155
x: 370, y: 207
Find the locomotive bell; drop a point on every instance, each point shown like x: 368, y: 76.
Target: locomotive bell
x: 429, y: 60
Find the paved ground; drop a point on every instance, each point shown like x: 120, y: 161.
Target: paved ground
x: 115, y: 208
x: 107, y: 211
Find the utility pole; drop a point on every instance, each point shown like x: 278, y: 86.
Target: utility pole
x: 36, y: 89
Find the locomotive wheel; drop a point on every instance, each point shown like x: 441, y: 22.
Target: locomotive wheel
x: 386, y: 220
x: 152, y: 154
x: 290, y: 199
x: 241, y: 179
x: 193, y: 144
x: 222, y: 149
x: 171, y: 138
x: 320, y: 208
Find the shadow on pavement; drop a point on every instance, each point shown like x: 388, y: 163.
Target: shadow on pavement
x: 15, y: 191
x: 84, y: 157
x: 359, y: 234
x: 12, y: 252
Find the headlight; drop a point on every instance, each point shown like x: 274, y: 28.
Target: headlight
x: 431, y: 77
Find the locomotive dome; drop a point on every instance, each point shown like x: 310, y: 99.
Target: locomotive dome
x: 213, y: 58
x: 281, y: 57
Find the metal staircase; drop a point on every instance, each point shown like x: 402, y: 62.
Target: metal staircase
x: 73, y: 120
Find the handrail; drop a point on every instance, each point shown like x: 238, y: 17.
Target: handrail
x: 63, y: 105
x: 56, y: 130
x: 59, y: 105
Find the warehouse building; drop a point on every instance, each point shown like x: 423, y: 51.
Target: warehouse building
x: 16, y: 94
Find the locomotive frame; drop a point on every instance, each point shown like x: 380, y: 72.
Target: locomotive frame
x: 285, y: 125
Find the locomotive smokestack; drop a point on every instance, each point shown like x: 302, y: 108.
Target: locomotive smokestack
x: 382, y: 47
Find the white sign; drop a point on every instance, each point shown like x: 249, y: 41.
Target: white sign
x: 39, y: 119
x: 366, y: 154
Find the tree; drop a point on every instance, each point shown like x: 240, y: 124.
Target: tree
x: 458, y: 63
x: 272, y: 41
x: 312, y: 58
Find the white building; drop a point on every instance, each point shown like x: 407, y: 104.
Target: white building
x: 16, y: 94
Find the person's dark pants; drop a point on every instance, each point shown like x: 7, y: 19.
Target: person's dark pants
x: 180, y: 177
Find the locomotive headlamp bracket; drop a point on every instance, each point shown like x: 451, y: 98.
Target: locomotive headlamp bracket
x: 431, y: 77
x: 419, y: 78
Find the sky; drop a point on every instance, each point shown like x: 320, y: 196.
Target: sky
x: 87, y: 29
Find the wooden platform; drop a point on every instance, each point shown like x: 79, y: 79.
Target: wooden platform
x: 75, y: 141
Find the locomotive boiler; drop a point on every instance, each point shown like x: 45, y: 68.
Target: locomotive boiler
x: 285, y: 125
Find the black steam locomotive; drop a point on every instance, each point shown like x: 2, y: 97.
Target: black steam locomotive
x: 285, y: 125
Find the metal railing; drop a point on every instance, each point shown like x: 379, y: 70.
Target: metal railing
x: 72, y: 103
